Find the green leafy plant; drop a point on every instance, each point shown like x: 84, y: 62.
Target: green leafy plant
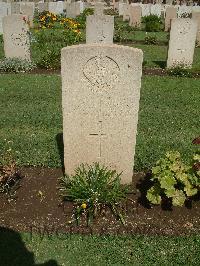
x: 151, y: 40
x: 9, y: 174
x: 172, y: 179
x: 196, y: 157
x: 180, y: 71
x: 92, y: 188
x: 152, y: 23
x: 122, y: 32
x: 16, y: 65
x: 48, y: 44
x: 81, y: 19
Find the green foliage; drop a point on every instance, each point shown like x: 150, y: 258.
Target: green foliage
x: 180, y: 71
x: 9, y: 174
x: 172, y: 179
x: 196, y: 157
x: 152, y: 23
x: 151, y: 40
x: 48, y: 44
x: 122, y: 31
x: 93, y: 187
x: 81, y: 19
x: 16, y: 65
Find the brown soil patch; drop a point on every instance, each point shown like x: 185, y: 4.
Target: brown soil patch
x: 39, y: 209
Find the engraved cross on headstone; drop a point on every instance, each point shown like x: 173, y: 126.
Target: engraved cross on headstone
x: 99, y: 134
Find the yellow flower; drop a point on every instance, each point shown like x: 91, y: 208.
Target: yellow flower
x: 84, y: 206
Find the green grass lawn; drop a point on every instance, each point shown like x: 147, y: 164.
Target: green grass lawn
x: 24, y: 250
x: 31, y: 117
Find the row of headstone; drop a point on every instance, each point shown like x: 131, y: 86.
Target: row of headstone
x: 155, y: 9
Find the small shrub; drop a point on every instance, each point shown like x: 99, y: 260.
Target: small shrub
x: 122, y: 31
x: 48, y: 44
x: 16, y: 65
x: 179, y: 71
x: 172, y: 179
x: 151, y: 40
x: 152, y: 23
x: 9, y: 174
x: 93, y: 187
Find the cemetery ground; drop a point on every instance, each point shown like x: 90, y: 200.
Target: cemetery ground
x: 42, y: 225
x: 168, y: 119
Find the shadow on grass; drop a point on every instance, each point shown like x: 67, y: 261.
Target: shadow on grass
x: 161, y: 64
x: 13, y: 251
x: 60, y: 144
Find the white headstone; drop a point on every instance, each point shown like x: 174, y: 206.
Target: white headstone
x: 100, y: 100
x: 56, y: 7
x: 146, y: 10
x: 182, y: 42
x: 155, y: 10
x: 99, y: 27
x: 16, y: 37
x: 4, y: 11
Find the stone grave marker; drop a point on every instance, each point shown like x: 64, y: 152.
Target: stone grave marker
x: 15, y: 8
x: 171, y: 12
x: 182, y: 42
x: 99, y: 27
x: 16, y: 37
x: 4, y: 11
x: 135, y: 16
x: 196, y: 16
x: 126, y: 12
x: 183, y: 9
x: 155, y: 10
x: 56, y: 7
x: 28, y: 9
x: 43, y: 7
x: 100, y: 101
x: 146, y: 10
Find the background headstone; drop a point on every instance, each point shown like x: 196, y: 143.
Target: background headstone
x: 100, y: 100
x: 135, y: 16
x: 99, y: 27
x: 16, y: 37
x: 182, y: 42
x: 171, y: 12
x: 196, y: 16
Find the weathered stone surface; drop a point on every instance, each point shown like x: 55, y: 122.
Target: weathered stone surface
x: 28, y: 10
x: 184, y: 10
x: 171, y: 12
x: 4, y: 11
x: 73, y: 9
x: 196, y: 16
x: 43, y: 7
x: 100, y: 100
x: 135, y: 16
x: 15, y: 8
x: 16, y: 37
x: 146, y: 10
x: 126, y: 12
x: 56, y: 7
x: 99, y: 27
x: 155, y: 10
x: 182, y: 42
